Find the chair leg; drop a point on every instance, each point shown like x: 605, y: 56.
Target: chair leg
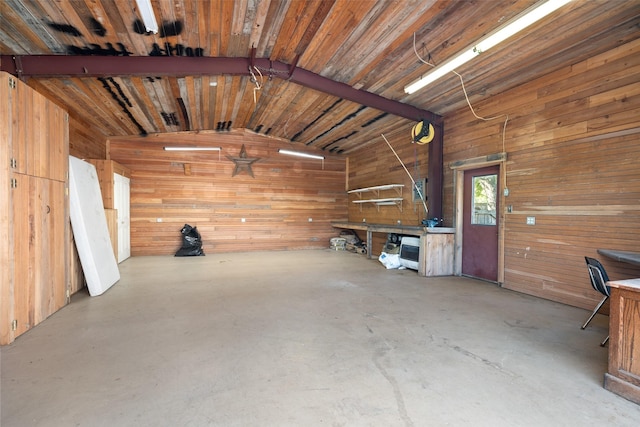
x: 595, y: 311
x: 603, y: 343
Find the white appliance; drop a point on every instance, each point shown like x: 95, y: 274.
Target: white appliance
x: 410, y: 252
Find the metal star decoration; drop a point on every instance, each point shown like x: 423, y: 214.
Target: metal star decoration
x: 243, y: 162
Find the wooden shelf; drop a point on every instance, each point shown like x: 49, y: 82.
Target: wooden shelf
x: 378, y: 188
x: 379, y: 201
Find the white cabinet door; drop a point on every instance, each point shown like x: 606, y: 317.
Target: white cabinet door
x: 121, y: 186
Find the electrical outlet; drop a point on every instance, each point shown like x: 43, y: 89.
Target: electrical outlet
x: 531, y: 220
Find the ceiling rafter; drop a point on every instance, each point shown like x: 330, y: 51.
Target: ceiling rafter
x: 110, y: 66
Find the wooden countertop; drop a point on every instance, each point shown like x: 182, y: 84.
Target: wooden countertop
x: 622, y: 256
x: 415, y: 230
x: 629, y: 284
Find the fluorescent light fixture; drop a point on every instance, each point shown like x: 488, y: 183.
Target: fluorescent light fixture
x: 299, y: 154
x: 192, y: 148
x: 148, y: 17
x: 509, y: 29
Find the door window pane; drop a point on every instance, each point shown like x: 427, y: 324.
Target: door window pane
x: 483, y: 205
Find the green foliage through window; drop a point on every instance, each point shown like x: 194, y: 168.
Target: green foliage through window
x: 485, y: 193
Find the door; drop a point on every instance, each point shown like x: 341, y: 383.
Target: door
x: 39, y: 236
x: 480, y: 223
x: 121, y: 190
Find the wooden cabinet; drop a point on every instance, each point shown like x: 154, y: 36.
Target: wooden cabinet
x: 623, y: 376
x: 34, y: 216
x: 436, y: 252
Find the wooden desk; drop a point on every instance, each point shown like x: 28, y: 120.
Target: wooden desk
x: 436, y: 244
x: 622, y: 256
x: 623, y: 376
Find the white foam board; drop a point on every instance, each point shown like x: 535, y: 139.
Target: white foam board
x: 89, y: 225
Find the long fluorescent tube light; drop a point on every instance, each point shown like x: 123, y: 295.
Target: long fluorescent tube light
x: 192, y: 148
x: 503, y: 33
x: 299, y: 154
x: 148, y: 17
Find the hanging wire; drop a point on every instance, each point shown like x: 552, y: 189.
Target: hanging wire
x: 418, y: 55
x: 415, y: 186
x: 506, y: 116
x: 255, y: 81
x: 464, y: 90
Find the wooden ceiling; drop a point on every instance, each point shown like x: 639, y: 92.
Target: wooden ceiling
x: 329, y: 74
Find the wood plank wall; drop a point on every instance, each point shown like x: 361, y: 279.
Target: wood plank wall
x: 377, y: 165
x: 573, y: 144
x: 85, y: 144
x: 290, y: 203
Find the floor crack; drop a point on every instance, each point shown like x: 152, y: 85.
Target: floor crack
x: 402, y: 410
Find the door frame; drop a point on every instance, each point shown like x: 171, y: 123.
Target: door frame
x: 459, y: 168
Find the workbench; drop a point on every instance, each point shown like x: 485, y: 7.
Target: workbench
x: 436, y: 244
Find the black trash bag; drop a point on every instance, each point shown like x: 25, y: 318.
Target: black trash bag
x: 191, y: 242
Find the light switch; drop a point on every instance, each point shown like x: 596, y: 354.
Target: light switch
x: 531, y: 220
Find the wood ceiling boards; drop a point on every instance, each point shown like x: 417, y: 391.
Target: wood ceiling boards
x: 331, y: 73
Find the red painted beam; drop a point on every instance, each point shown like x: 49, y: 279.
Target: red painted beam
x: 314, y: 81
x: 152, y: 66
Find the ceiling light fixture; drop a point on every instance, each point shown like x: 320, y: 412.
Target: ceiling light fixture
x: 148, y: 17
x: 299, y: 154
x: 192, y: 148
x: 516, y: 25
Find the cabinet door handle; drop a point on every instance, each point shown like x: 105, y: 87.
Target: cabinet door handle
x: 48, y: 209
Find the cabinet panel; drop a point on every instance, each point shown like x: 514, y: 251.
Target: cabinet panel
x: 57, y: 153
x: 38, y: 132
x: 6, y: 247
x: 34, y: 217
x: 39, y: 247
x: 19, y: 103
x: 50, y: 281
x: 23, y: 261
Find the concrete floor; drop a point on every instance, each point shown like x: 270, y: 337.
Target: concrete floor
x: 307, y: 338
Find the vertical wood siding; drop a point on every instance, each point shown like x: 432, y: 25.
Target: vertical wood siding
x: 573, y: 146
x: 290, y: 203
